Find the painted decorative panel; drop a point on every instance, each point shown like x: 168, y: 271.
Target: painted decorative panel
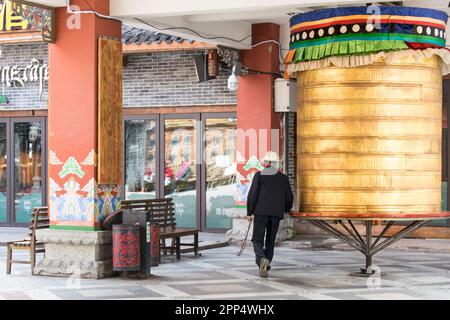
x: 19, y: 16
x: 109, y: 111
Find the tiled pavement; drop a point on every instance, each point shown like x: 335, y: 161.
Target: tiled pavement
x: 219, y: 274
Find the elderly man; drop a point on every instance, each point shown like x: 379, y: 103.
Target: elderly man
x: 269, y: 198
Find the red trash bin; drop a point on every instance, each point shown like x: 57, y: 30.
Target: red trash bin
x: 126, y: 248
x: 153, y: 236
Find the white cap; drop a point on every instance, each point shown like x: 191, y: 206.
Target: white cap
x: 271, y: 157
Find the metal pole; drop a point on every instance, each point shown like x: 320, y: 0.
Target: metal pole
x: 386, y: 229
x: 356, y: 232
x: 324, y: 226
x: 399, y: 235
x: 368, y: 247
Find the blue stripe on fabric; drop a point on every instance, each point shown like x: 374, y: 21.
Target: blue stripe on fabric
x: 348, y: 11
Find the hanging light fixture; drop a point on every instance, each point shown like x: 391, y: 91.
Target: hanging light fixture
x: 34, y: 132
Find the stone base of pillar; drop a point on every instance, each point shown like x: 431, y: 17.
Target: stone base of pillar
x: 240, y: 226
x: 75, y: 254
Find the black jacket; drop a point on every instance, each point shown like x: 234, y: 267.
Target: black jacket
x: 270, y: 194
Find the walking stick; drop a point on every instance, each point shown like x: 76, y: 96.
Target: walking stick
x: 244, y: 242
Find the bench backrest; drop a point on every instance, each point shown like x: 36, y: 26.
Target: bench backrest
x: 39, y: 220
x: 162, y: 211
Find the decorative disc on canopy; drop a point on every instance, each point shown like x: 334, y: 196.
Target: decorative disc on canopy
x: 370, y: 30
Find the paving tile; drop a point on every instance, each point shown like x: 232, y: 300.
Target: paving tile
x: 223, y: 289
x: 218, y: 274
x: 387, y: 296
x: 105, y: 293
x: 14, y: 295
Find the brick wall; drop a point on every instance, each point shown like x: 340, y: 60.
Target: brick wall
x: 21, y: 56
x: 153, y: 79
x: 169, y: 79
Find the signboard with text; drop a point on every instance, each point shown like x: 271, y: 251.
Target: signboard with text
x: 20, y: 16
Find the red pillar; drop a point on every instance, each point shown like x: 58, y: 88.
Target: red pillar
x: 73, y: 127
x: 258, y: 125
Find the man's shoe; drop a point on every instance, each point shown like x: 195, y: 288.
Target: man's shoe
x: 264, y: 268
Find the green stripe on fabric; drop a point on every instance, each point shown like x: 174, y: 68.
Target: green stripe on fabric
x: 372, y: 36
x: 346, y: 48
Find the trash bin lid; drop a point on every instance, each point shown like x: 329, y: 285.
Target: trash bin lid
x: 113, y: 218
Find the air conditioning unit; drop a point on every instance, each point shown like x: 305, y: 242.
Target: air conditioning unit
x: 285, y: 95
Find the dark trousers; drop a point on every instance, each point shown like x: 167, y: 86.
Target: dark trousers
x: 264, y: 226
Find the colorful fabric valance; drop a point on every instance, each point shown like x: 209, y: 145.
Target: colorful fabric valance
x: 364, y: 30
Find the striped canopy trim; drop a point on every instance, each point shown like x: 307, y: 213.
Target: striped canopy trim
x: 418, y: 28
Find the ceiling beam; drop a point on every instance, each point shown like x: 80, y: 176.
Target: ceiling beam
x: 249, y: 16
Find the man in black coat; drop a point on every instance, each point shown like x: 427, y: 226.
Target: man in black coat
x: 269, y: 198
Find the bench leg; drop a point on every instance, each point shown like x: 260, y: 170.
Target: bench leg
x: 196, y: 244
x: 159, y: 255
x: 8, y: 260
x: 173, y: 246
x: 165, y: 247
x: 32, y: 259
x: 177, y: 248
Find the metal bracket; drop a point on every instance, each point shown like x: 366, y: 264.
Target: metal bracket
x: 365, y: 243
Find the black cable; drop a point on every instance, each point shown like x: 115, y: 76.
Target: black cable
x: 200, y: 35
x: 193, y: 31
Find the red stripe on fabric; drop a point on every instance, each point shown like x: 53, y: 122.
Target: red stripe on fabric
x: 374, y: 216
x: 422, y: 23
x: 418, y: 45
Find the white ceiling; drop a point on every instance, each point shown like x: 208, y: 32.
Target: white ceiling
x: 51, y: 3
x: 230, y: 18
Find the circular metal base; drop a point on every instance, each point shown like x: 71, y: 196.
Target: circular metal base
x: 363, y: 273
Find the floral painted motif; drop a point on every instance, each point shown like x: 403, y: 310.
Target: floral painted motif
x: 71, y: 167
x: 90, y: 159
x: 253, y: 163
x: 53, y: 189
x: 77, y: 203
x: 243, y: 188
x: 53, y: 159
x: 91, y: 208
x: 108, y: 200
x: 70, y: 206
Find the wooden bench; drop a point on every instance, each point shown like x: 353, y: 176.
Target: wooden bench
x: 39, y: 220
x: 162, y: 213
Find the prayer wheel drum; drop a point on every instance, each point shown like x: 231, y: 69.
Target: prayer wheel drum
x: 369, y: 138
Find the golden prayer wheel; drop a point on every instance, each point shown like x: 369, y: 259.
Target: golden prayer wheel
x: 369, y: 138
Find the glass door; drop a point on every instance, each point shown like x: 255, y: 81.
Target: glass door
x: 141, y: 158
x: 219, y: 171
x: 188, y: 157
x: 4, y: 216
x: 28, y: 168
x: 180, y: 169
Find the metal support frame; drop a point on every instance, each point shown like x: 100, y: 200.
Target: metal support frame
x: 365, y: 243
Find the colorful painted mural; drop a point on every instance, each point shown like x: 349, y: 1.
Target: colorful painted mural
x: 74, y: 201
x: 245, y: 178
x: 16, y: 16
x: 107, y: 201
